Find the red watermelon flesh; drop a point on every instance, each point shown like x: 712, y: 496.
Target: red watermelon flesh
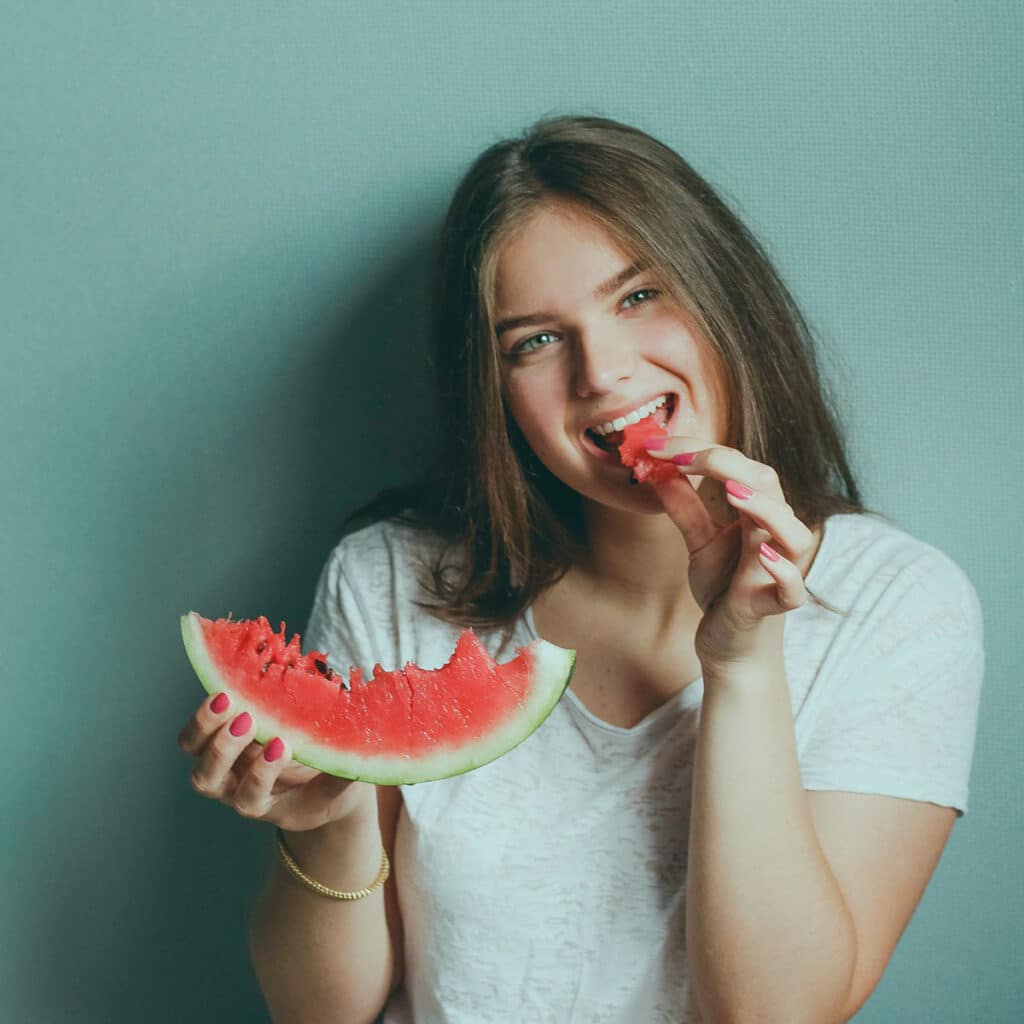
x: 633, y: 453
x: 397, y: 727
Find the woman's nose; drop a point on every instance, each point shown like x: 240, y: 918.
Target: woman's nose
x: 602, y: 360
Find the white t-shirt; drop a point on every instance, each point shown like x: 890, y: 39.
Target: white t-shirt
x: 550, y: 885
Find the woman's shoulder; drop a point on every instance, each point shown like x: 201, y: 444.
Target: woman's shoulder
x: 871, y: 536
x: 868, y: 551
x: 393, y: 542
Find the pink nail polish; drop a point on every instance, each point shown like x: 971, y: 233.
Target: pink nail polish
x: 275, y: 748
x: 684, y: 458
x: 770, y: 553
x: 737, y: 490
x: 240, y: 726
x: 219, y: 703
x: 655, y: 444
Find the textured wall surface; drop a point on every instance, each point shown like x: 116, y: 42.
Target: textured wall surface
x: 215, y: 231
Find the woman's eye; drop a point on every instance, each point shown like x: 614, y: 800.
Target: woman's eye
x: 650, y: 292
x: 521, y: 346
x: 536, y: 341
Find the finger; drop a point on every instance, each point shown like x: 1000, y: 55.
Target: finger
x: 790, y: 591
x: 770, y: 512
x: 250, y: 754
x: 685, y: 508
x: 204, y: 723
x: 253, y: 796
x: 211, y: 775
x: 750, y: 574
x: 720, y: 462
x: 770, y: 593
x: 713, y: 569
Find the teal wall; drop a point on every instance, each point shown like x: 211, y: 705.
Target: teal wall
x: 215, y: 229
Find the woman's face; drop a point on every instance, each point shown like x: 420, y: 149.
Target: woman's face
x: 588, y: 357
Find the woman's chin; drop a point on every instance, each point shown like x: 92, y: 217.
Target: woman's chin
x: 625, y: 496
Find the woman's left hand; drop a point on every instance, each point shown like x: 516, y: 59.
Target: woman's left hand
x: 733, y: 577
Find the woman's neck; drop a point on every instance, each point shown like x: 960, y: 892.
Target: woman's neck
x: 637, y: 563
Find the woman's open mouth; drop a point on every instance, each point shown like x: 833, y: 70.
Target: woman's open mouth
x: 606, y: 446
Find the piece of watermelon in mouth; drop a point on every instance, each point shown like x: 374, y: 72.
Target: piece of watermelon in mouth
x: 611, y: 441
x: 633, y: 447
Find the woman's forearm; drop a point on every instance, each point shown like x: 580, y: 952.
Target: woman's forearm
x: 320, y: 960
x: 768, y: 935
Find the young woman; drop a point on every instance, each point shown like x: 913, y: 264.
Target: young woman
x: 737, y: 805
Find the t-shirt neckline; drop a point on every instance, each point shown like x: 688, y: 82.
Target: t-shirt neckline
x: 690, y: 696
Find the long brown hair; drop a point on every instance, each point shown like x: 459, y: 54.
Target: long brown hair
x: 515, y: 527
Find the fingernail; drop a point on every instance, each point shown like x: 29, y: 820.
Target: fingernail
x: 275, y: 748
x: 241, y: 724
x: 770, y: 553
x: 219, y: 703
x: 655, y: 444
x: 737, y: 490
x: 684, y: 458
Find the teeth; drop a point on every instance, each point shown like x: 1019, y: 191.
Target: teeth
x: 634, y: 417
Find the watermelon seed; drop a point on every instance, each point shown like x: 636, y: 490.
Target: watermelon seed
x: 266, y: 665
x: 321, y: 667
x: 262, y: 647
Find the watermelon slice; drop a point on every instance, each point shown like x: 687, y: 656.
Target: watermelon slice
x: 632, y: 451
x: 396, y: 728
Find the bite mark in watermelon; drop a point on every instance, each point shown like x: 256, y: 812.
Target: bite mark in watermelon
x: 398, y: 727
x: 633, y: 453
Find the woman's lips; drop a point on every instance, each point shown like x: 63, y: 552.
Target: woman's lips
x: 601, y: 453
x: 611, y: 455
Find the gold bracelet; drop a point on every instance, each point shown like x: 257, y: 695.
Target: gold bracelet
x: 382, y: 876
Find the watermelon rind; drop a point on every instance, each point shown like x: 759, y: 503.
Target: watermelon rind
x: 553, y: 669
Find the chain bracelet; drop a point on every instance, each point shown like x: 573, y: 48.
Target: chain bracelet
x: 358, y: 894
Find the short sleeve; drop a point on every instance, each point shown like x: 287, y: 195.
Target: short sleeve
x: 339, y: 624
x: 899, y: 716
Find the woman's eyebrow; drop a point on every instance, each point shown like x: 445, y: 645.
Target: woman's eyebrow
x: 600, y: 292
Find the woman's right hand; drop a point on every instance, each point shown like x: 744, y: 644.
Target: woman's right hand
x: 233, y: 770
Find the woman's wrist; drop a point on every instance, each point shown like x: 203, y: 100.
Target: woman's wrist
x: 335, y: 837
x: 736, y: 651
x: 355, y: 820
x: 343, y: 855
x: 745, y: 678
x: 357, y: 804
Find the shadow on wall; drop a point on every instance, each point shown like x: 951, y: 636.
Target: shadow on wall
x: 160, y: 928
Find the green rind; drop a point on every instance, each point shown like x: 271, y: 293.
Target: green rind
x: 554, y: 668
